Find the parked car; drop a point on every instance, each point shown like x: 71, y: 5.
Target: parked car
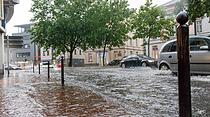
x: 199, y: 55
x: 137, y: 60
x: 114, y: 62
x: 12, y: 67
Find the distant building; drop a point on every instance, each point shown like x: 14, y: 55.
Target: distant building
x: 130, y: 47
x: 169, y: 7
x: 30, y: 52
x: 6, y: 13
x: 24, y: 54
x: 202, y: 27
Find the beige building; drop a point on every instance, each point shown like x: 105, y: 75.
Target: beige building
x: 132, y: 46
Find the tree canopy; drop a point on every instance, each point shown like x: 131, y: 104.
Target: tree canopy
x: 67, y: 24
x: 150, y: 22
x: 111, y: 24
x: 198, y: 8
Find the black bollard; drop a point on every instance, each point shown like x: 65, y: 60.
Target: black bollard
x: 33, y: 67
x: 48, y: 71
x: 183, y: 66
x: 62, y: 71
x: 39, y: 67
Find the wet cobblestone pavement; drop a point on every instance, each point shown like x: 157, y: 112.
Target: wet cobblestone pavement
x: 99, y: 92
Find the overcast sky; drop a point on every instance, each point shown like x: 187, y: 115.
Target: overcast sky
x: 23, y: 16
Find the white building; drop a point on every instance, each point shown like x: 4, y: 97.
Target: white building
x: 6, y: 13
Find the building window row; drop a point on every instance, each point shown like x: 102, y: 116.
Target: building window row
x: 75, y: 52
x: 23, y: 55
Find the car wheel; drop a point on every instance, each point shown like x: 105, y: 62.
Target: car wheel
x: 144, y: 64
x: 164, y: 67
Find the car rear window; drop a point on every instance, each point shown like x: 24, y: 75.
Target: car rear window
x: 167, y: 47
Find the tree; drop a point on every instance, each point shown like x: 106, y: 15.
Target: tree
x: 61, y: 24
x: 198, y: 9
x: 150, y: 22
x: 111, y: 24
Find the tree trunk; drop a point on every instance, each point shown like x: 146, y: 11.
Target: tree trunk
x: 195, y: 30
x: 70, y: 58
x: 148, y: 47
x: 104, y: 55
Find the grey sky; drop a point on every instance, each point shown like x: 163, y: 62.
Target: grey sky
x: 23, y: 16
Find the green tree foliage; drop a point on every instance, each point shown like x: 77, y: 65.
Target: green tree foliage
x: 150, y: 23
x: 111, y: 24
x: 195, y: 9
x: 61, y: 24
x: 67, y: 24
x: 198, y: 8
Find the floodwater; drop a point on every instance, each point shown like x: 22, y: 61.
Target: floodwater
x: 99, y: 92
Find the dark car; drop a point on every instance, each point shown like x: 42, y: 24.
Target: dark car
x: 114, y: 62
x: 137, y: 60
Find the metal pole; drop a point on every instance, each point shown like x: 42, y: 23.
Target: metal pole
x: 33, y: 67
x: 62, y: 71
x: 48, y: 71
x: 39, y: 67
x: 183, y: 66
x: 8, y: 55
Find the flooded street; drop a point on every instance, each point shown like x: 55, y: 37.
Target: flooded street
x: 94, y: 91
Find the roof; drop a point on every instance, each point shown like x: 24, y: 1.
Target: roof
x: 24, y: 25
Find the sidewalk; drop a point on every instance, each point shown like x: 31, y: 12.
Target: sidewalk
x: 27, y: 94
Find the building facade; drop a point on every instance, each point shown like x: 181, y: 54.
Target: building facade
x: 130, y: 47
x: 6, y: 13
x: 24, y: 54
x: 32, y: 53
x: 202, y: 27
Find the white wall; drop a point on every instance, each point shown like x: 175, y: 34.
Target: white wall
x: 205, y: 27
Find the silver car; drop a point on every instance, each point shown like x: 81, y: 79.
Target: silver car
x: 199, y: 55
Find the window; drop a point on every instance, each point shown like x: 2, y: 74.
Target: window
x: 90, y: 57
x: 119, y: 53
x: 195, y: 44
x: 23, y: 55
x: 199, y: 26
x: 80, y: 52
x: 75, y: 52
x: 167, y: 47
x: 130, y: 42
x: 131, y: 52
x: 173, y: 47
x: 136, y: 43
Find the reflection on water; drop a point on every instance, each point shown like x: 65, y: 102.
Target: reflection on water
x: 29, y: 95
x: 90, y: 92
x: 73, y: 101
